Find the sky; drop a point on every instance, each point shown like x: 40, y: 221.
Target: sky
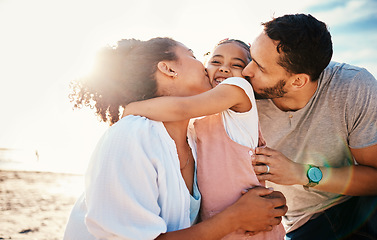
x: 45, y: 44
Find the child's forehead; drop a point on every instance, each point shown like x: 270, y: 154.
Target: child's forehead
x: 231, y: 48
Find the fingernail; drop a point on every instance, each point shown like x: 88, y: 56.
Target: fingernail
x: 271, y: 188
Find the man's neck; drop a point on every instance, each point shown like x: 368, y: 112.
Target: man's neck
x: 297, y: 100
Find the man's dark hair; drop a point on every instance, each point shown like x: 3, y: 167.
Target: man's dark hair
x: 304, y: 41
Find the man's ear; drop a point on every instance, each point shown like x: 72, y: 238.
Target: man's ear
x: 165, y: 68
x: 300, y: 80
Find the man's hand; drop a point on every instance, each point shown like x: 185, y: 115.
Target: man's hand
x: 280, y: 170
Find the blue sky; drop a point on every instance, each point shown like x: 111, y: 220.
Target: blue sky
x: 353, y: 25
x: 45, y: 44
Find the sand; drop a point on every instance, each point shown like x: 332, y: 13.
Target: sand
x: 36, y: 205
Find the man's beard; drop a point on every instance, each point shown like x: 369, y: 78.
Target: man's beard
x: 276, y: 91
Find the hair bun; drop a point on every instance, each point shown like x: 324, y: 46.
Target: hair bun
x: 127, y: 45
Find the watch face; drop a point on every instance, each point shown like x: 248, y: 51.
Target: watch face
x: 315, y: 174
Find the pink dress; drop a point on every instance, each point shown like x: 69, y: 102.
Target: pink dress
x: 224, y: 169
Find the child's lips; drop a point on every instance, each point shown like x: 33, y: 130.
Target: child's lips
x: 218, y: 80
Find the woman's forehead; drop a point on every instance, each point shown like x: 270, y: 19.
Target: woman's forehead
x: 182, y: 49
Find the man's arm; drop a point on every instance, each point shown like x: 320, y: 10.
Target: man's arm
x: 355, y: 180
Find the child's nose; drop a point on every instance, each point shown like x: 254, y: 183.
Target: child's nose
x: 224, y: 69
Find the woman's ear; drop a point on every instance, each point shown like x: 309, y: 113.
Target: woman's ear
x: 165, y: 68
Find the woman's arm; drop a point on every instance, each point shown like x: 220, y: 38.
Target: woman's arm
x: 171, y: 108
x: 253, y: 212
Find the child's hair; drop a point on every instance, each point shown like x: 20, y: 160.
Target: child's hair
x: 227, y: 40
x: 122, y: 74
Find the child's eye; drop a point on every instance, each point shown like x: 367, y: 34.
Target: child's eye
x: 215, y: 62
x: 238, y: 66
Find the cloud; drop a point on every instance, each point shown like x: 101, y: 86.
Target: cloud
x: 347, y: 12
x: 357, y: 49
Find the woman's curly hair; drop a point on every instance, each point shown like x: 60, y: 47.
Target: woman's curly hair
x: 122, y: 74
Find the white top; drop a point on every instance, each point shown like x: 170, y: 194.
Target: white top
x: 134, y: 188
x: 242, y: 127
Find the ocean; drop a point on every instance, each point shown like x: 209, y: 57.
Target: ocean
x: 13, y: 159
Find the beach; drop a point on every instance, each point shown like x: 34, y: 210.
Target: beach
x: 36, y: 205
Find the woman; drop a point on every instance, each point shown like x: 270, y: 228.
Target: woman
x: 141, y: 181
x: 225, y: 138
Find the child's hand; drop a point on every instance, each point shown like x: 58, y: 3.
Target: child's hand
x: 127, y: 111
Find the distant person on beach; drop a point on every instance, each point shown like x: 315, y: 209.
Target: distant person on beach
x: 141, y: 180
x: 319, y: 119
x: 225, y: 141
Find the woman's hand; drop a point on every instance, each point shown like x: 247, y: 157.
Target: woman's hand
x: 259, y: 209
x: 273, y: 166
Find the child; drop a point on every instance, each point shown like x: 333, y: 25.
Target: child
x: 226, y: 138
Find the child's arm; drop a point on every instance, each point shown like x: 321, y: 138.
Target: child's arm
x: 169, y: 108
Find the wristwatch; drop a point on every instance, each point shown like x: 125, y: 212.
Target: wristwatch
x: 314, y: 175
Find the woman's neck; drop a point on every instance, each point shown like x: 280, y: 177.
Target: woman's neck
x: 177, y: 131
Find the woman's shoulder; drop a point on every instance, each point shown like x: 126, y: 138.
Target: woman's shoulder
x: 135, y: 127
x: 137, y: 123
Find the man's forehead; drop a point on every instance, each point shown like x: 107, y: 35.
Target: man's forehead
x: 256, y: 39
x: 256, y: 48
x: 264, y: 52
x: 263, y: 37
x: 264, y: 43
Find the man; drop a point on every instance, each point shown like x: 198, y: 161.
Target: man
x: 319, y: 119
